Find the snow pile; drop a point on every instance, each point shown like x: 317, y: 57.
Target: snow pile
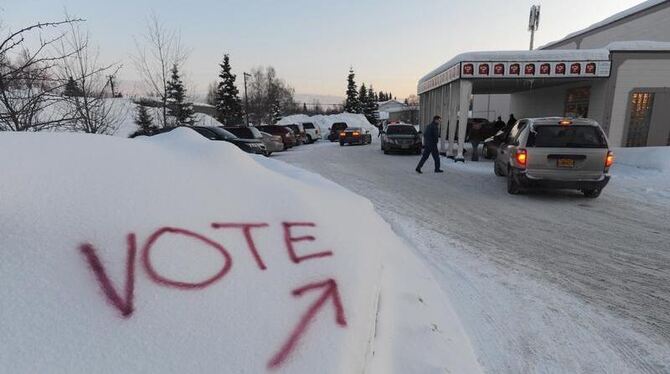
x: 175, y: 254
x: 654, y: 158
x: 326, y: 121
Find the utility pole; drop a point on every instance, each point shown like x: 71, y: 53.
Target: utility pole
x: 246, y: 99
x: 533, y: 23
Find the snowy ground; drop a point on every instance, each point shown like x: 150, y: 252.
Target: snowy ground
x: 543, y: 282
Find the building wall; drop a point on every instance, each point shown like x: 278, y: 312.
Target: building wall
x: 650, y: 25
x: 491, y: 106
x: 634, y: 74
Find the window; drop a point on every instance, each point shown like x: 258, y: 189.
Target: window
x: 515, y: 132
x: 641, y: 104
x: 577, y: 102
x: 566, y: 137
x: 308, y: 125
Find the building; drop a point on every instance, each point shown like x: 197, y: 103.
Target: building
x: 616, y: 71
x: 395, y: 111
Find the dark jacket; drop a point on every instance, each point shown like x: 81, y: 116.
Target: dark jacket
x: 511, y: 121
x: 476, y: 133
x: 431, y: 135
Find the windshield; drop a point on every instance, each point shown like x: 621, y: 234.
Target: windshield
x: 566, y: 137
x: 401, y: 130
x: 339, y: 126
x: 223, y: 133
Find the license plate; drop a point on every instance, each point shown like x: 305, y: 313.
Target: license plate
x: 405, y: 146
x: 566, y: 163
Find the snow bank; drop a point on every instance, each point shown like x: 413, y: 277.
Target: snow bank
x: 326, y: 121
x: 655, y: 158
x: 175, y: 254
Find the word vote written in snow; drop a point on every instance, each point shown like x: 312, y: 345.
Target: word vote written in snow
x: 123, y: 301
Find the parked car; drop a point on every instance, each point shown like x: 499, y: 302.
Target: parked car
x: 401, y: 138
x: 252, y: 133
x: 219, y: 134
x: 286, y: 134
x: 555, y: 153
x: 298, y: 132
x: 273, y: 143
x: 313, y: 133
x: 355, y: 135
x: 335, y: 131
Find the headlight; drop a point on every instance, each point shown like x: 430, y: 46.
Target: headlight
x: 392, y: 141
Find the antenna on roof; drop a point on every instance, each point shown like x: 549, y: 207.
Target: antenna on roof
x: 533, y: 23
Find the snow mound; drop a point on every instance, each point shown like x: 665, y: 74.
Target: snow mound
x: 655, y: 158
x: 175, y: 254
x: 326, y: 121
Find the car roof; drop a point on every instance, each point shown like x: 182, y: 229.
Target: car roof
x: 552, y: 121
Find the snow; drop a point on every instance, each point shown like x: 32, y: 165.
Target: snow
x: 542, y: 282
x: 326, y: 121
x: 70, y: 198
x: 614, y: 18
x: 638, y: 45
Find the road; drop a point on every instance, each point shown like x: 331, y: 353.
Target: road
x: 542, y: 282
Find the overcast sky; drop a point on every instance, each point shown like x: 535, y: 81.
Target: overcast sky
x: 390, y: 43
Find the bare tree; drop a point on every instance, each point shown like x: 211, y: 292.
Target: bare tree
x: 269, y: 96
x: 91, y: 107
x: 28, y: 89
x: 156, y: 53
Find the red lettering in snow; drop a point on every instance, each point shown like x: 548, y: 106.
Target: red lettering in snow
x: 289, y: 240
x: 329, y: 292
x: 153, y: 274
x: 246, y: 229
x: 125, y: 306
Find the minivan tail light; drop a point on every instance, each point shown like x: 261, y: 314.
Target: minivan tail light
x: 609, y: 161
x: 521, y: 157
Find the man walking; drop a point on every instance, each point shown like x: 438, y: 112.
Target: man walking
x: 475, y: 139
x: 431, y: 136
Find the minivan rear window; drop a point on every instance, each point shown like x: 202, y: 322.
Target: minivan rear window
x: 308, y: 125
x: 575, y: 136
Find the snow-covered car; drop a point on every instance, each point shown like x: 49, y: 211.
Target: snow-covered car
x: 335, y: 130
x: 218, y: 134
x: 312, y: 133
x: 401, y: 138
x: 555, y: 153
x: 273, y: 143
x: 355, y: 135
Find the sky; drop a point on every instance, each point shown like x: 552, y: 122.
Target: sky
x: 389, y: 43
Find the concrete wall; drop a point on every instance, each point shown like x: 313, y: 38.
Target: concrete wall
x: 659, y: 130
x: 635, y: 75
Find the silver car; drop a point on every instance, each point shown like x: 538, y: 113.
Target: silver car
x: 273, y: 143
x: 555, y: 153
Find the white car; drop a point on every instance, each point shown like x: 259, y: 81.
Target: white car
x: 312, y: 132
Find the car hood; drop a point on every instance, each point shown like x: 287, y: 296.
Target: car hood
x: 401, y: 136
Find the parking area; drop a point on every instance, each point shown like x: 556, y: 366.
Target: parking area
x: 546, y: 277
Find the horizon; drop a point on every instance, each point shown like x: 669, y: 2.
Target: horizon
x: 390, y: 53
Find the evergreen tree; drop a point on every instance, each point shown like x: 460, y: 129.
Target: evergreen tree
x: 178, y: 107
x: 351, y: 104
x: 371, y: 108
x: 228, y: 104
x: 363, y: 98
x: 276, y: 112
x: 71, y: 88
x: 144, y: 121
x: 304, y: 108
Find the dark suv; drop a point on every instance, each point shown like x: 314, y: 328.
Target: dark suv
x: 401, y: 138
x: 335, y: 131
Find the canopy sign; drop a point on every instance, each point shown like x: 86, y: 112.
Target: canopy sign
x: 531, y: 69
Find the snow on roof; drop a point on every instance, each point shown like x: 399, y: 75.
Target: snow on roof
x: 536, y: 55
x: 638, y: 45
x: 618, y: 16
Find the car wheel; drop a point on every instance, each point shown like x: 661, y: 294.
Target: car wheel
x: 512, y: 186
x: 309, y: 139
x: 592, y: 193
x: 496, y: 170
x: 341, y: 144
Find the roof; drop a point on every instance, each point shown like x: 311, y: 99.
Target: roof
x: 601, y: 54
x: 608, y: 21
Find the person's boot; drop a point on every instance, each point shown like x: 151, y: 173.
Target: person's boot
x: 439, y: 171
x: 418, y: 171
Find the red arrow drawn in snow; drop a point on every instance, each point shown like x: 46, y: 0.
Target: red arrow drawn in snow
x: 330, y: 291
